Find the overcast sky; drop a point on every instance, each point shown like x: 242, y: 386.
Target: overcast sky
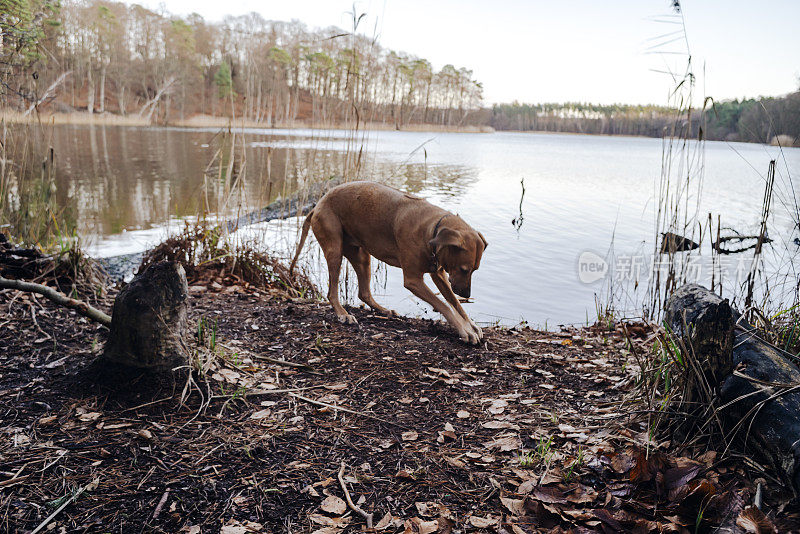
x: 575, y: 50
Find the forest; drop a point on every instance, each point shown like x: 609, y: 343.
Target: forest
x: 109, y: 57
x: 757, y: 120
x: 105, y: 57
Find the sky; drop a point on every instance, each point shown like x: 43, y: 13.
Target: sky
x: 571, y: 50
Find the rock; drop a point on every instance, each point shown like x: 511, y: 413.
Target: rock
x: 149, y: 323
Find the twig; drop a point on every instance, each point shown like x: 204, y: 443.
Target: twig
x: 252, y: 392
x: 284, y: 363
x: 60, y: 508
x: 346, y: 410
x: 367, y: 517
x: 161, y: 504
x: 81, y: 307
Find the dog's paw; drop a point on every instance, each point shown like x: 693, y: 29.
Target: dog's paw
x: 467, y: 335
x: 347, y: 319
x: 477, y: 329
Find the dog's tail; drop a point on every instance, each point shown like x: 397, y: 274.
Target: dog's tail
x: 303, y: 235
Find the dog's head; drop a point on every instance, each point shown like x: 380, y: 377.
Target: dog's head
x: 458, y: 250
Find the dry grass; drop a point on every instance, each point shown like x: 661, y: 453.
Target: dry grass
x: 209, y: 257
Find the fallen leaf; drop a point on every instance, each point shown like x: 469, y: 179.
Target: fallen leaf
x: 415, y: 525
x: 498, y: 406
x: 90, y: 416
x: 515, y: 506
x: 328, y: 521
x: 751, y: 519
x: 385, y: 521
x: 235, y: 527
x: 409, y: 436
x: 261, y: 414
x: 482, y: 522
x: 333, y: 505
x: 463, y: 414
x: 504, y: 443
x: 495, y: 425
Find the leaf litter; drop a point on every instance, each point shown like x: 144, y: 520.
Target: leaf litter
x: 525, y: 433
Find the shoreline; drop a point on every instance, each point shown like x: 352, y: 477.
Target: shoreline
x: 207, y: 121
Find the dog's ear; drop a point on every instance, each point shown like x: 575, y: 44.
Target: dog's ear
x: 485, y: 244
x: 446, y: 237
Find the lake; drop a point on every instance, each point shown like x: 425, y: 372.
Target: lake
x: 585, y: 197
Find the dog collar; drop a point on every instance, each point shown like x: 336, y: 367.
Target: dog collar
x: 434, y: 259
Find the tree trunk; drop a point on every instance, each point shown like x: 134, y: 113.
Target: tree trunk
x: 102, y: 107
x: 761, y: 398
x: 90, y: 94
x: 149, y: 323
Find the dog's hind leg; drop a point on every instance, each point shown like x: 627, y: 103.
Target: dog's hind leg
x: 328, y: 231
x: 360, y: 260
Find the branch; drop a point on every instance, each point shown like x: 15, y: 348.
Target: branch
x: 61, y: 299
x: 367, y: 517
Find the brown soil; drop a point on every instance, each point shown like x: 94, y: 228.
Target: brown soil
x: 524, y: 433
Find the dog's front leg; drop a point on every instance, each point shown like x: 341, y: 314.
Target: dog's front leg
x: 416, y: 285
x: 443, y: 284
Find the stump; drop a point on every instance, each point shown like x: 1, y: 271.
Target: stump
x: 705, y: 321
x: 761, y: 400
x: 149, y: 322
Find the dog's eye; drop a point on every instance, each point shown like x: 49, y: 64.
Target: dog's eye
x: 465, y: 270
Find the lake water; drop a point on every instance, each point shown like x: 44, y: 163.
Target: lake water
x: 128, y: 187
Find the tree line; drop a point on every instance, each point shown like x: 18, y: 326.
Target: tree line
x: 102, y: 56
x: 758, y: 120
x: 108, y: 57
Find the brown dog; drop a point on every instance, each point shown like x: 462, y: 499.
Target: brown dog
x: 358, y: 220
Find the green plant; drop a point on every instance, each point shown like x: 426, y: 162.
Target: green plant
x: 576, y: 464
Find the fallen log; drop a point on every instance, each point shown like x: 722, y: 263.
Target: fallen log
x: 297, y: 205
x: 757, y: 384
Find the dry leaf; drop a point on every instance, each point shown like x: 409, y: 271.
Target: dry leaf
x: 504, y: 443
x: 328, y: 521
x: 498, y: 406
x: 384, y: 522
x: 333, y: 505
x: 415, y: 525
x: 261, y: 414
x: 495, y: 425
x: 751, y: 519
x: 409, y: 436
x: 463, y: 414
x: 515, y: 506
x: 482, y: 522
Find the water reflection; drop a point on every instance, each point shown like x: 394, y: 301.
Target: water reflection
x: 114, y: 179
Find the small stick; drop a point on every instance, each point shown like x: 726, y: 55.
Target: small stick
x: 60, y: 508
x: 346, y: 410
x: 161, y: 504
x: 367, y: 517
x: 251, y: 392
x: 284, y: 362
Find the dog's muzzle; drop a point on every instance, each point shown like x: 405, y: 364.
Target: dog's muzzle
x: 462, y: 292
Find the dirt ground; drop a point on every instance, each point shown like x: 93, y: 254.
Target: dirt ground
x: 526, y: 433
